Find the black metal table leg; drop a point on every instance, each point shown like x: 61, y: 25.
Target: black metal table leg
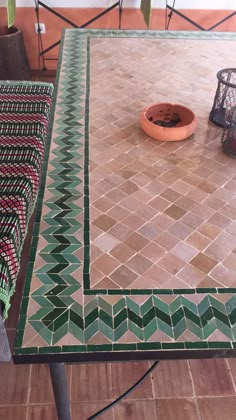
x: 60, y: 390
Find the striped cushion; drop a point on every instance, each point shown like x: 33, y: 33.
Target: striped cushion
x: 24, y: 115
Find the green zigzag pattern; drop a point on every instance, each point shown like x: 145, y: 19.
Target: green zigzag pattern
x: 113, y: 321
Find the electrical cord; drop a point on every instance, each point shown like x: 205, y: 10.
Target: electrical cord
x: 107, y: 407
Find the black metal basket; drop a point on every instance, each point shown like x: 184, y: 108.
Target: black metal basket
x: 228, y: 138
x: 225, y: 97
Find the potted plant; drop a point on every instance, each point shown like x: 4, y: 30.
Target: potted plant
x: 146, y: 9
x: 14, y: 63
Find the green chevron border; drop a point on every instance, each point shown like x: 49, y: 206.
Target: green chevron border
x: 59, y: 311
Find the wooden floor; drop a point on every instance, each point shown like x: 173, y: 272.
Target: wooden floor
x: 176, y: 390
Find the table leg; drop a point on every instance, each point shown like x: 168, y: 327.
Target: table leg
x: 60, y: 390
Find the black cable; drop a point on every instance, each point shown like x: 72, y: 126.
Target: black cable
x: 107, y: 407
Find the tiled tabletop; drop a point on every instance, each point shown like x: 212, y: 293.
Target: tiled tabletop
x: 134, y: 246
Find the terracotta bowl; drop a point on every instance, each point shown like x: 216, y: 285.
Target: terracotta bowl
x: 164, y: 112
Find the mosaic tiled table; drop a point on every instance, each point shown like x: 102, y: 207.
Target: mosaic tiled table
x: 134, y: 248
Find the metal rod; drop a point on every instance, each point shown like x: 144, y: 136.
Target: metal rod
x: 169, y: 16
x: 60, y: 390
x: 100, y: 14
x: 221, y: 21
x: 120, y: 12
x: 51, y: 47
x: 185, y: 18
x: 57, y: 14
x: 73, y: 24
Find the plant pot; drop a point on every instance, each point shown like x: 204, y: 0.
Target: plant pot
x: 163, y: 113
x: 14, y: 63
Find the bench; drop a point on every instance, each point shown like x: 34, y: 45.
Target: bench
x: 24, y: 115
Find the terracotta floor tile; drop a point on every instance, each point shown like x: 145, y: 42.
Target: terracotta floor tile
x: 153, y: 252
x: 136, y: 241
x: 83, y: 410
x: 198, y: 241
x: 104, y: 222
x: 139, y: 264
x: 203, y: 263
x: 185, y: 203
x: 13, y: 413
x: 184, y: 251
x: 209, y: 230
x: 123, y: 276
x: 223, y: 275
x: 14, y: 383
x: 106, y: 264
x: 177, y: 409
x: 175, y: 212
x: 170, y: 195
x: 150, y: 231
x: 221, y: 408
x: 135, y: 410
x: 172, y: 379
x: 122, y: 252
x: 167, y: 240
x: 41, y: 412
x: 190, y: 275
x: 40, y: 375
x: 171, y: 263
x: 123, y: 375
x: 180, y: 230
x: 91, y: 382
x: 232, y: 366
x: 211, y: 377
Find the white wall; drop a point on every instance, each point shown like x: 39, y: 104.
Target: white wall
x: 179, y: 4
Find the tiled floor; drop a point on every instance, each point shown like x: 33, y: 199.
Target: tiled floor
x: 176, y: 390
